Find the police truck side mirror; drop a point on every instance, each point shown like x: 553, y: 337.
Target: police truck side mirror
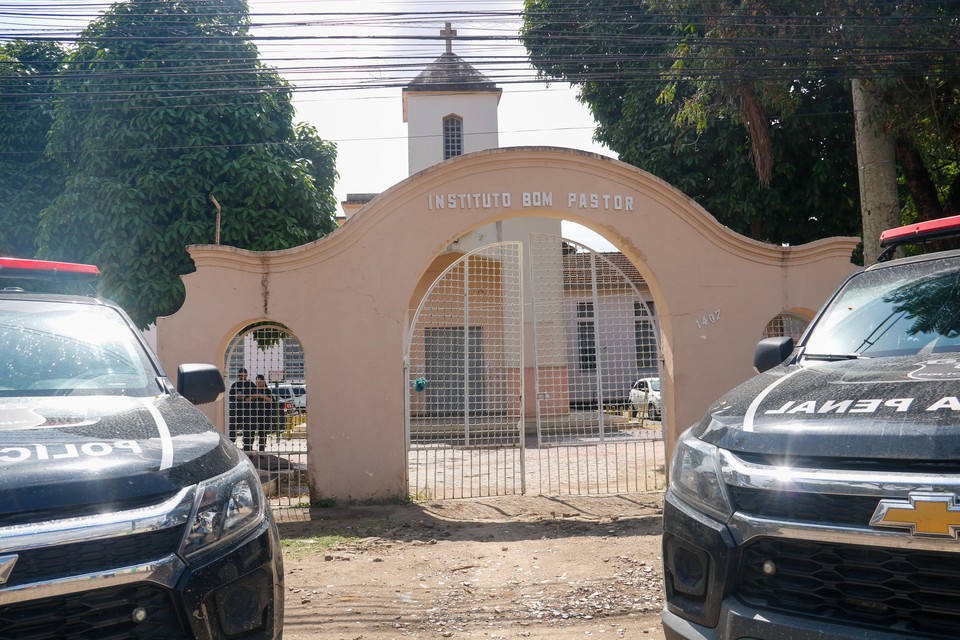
x: 771, y: 352
x: 199, y: 383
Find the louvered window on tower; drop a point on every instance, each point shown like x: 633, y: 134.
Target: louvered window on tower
x: 452, y: 137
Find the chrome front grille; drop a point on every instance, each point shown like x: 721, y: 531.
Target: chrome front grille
x: 843, y: 499
x: 808, y: 550
x: 61, y: 561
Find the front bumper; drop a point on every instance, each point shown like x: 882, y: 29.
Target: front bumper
x: 235, y: 592
x: 821, y: 583
x: 740, y: 622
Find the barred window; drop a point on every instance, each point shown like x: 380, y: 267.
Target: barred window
x: 645, y: 336
x: 452, y: 137
x: 586, y: 336
x: 786, y: 324
x: 293, y: 360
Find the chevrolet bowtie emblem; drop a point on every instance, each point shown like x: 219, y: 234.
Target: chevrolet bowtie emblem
x: 6, y: 568
x: 924, y: 514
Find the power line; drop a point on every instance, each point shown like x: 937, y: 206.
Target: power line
x: 500, y: 56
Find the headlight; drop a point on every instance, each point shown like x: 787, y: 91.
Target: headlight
x: 226, y: 507
x: 695, y: 477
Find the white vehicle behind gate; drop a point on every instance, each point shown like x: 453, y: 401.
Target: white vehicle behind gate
x: 645, y: 397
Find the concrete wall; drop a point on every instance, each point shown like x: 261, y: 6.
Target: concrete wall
x: 346, y: 296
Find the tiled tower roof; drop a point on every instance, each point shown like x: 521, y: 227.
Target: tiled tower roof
x: 450, y: 72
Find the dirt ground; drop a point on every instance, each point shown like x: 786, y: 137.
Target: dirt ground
x: 505, y: 567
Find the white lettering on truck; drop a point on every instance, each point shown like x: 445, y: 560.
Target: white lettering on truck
x: 56, y: 452
x: 950, y: 402
x: 871, y: 405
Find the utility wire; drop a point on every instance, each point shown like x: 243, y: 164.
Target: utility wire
x: 498, y: 54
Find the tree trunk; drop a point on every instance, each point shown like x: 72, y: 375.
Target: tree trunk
x: 879, y: 201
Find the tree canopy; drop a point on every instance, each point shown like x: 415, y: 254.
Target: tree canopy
x: 29, y: 179
x: 165, y: 111
x: 620, y: 55
x: 900, y: 59
x: 779, y: 72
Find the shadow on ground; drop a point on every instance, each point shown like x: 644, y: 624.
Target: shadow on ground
x: 502, y: 518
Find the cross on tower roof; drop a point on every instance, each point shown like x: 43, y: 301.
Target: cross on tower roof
x: 449, y: 34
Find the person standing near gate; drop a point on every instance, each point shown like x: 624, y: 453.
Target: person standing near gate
x: 241, y: 417
x: 262, y: 412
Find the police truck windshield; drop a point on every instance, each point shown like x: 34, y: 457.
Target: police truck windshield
x: 905, y: 310
x: 60, y: 348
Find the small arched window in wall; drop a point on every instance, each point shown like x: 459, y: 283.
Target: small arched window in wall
x: 786, y: 324
x: 452, y: 137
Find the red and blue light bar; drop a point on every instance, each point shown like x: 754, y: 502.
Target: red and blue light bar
x: 47, y: 270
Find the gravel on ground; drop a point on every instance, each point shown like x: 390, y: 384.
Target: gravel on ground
x: 500, y: 567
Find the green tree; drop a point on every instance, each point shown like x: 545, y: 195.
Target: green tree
x: 622, y: 54
x: 899, y: 60
x: 29, y: 179
x: 163, y: 105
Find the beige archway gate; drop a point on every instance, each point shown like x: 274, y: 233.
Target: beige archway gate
x: 347, y: 296
x: 593, y: 335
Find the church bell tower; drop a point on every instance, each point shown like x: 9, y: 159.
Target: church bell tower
x: 450, y: 109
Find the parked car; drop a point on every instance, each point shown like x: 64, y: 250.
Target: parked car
x: 123, y: 513
x: 645, y: 397
x: 291, y: 396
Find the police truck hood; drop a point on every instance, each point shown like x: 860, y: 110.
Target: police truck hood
x: 884, y: 408
x: 60, y: 452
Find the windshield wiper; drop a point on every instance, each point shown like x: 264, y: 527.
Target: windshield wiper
x: 835, y: 356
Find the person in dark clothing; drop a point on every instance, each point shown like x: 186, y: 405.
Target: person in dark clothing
x: 262, y: 412
x: 241, y: 417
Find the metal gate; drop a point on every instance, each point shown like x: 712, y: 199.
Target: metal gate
x: 596, y: 339
x: 593, y: 338
x: 464, y: 363
x: 266, y: 411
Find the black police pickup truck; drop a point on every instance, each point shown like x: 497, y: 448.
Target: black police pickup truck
x: 123, y: 514
x: 819, y: 500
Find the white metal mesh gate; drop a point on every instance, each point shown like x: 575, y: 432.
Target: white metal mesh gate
x: 597, y: 380
x: 464, y: 374
x: 596, y: 377
x: 266, y: 410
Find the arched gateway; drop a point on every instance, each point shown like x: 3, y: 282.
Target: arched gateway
x: 350, y: 297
